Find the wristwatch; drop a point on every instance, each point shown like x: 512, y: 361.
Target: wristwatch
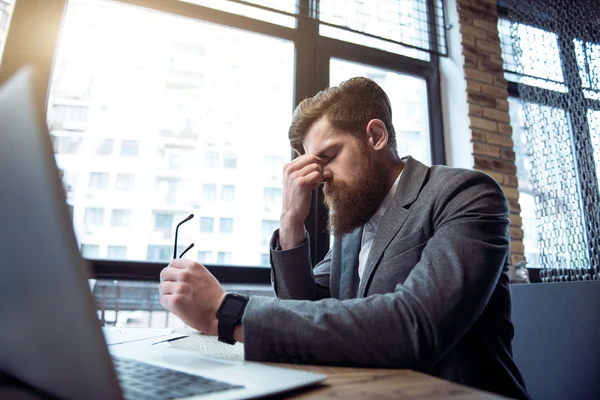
x: 229, y: 315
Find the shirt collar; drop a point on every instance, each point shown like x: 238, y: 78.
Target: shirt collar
x: 373, y: 223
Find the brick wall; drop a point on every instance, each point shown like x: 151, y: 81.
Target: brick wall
x: 487, y: 97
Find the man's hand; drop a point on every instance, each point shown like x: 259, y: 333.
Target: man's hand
x: 192, y: 293
x: 300, y: 177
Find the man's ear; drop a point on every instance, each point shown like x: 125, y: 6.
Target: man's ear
x: 377, y: 134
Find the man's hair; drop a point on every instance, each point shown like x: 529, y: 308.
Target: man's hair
x: 348, y: 107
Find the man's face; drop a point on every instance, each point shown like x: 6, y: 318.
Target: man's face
x: 355, y: 180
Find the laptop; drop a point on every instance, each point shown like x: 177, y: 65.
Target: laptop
x: 50, y: 336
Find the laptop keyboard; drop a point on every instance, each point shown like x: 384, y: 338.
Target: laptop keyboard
x: 144, y: 381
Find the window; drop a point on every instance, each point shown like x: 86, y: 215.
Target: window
x: 93, y: 217
x: 272, y: 195
x: 105, y: 148
x: 205, y: 257
x: 130, y: 148
x: 207, y: 224
x: 166, y: 190
x: 69, y: 117
x: 211, y: 159
x: 230, y: 161
x: 90, y: 250
x: 265, y: 259
x: 209, y: 192
x: 556, y: 141
x: 120, y: 218
x: 226, y: 225
x: 125, y: 182
x: 268, y: 227
x: 66, y: 144
x: 159, y: 253
x: 177, y: 116
x: 224, y: 257
x: 526, y: 197
x: 98, y: 180
x: 163, y: 221
x: 228, y: 193
x: 117, y: 252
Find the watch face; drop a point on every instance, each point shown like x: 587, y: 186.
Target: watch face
x: 233, y: 306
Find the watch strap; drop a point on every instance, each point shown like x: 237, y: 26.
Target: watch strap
x: 225, y: 330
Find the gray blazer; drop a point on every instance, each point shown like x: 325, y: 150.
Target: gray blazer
x: 434, y: 295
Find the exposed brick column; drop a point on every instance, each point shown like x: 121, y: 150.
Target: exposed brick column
x: 491, y: 133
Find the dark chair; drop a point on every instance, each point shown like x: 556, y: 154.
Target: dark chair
x: 557, y: 339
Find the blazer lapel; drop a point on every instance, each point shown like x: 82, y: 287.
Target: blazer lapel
x: 350, y: 250
x: 409, y: 186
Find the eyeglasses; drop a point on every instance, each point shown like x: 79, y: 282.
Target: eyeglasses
x: 176, y: 230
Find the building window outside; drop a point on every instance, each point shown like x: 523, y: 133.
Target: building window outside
x: 66, y: 144
x: 163, y: 221
x: 120, y: 217
x: 205, y: 257
x: 130, y: 148
x: 105, y: 148
x: 207, y: 224
x: 224, y: 257
x: 69, y: 117
x: 225, y: 225
x: 268, y: 227
x: 230, y: 161
x: 272, y: 195
x: 265, y: 259
x: 227, y: 193
x: 116, y: 252
x: 209, y: 192
x: 159, y: 253
x: 93, y: 216
x: 99, y: 180
x: 125, y: 182
x: 167, y: 190
x: 211, y: 159
x: 90, y: 250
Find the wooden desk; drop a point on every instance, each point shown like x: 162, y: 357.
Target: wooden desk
x: 348, y: 383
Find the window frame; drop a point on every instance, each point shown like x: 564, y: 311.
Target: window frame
x: 312, y: 57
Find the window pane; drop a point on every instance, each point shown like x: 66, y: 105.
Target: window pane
x: 399, y: 21
x: 105, y: 148
x: 226, y: 225
x: 151, y: 97
x: 228, y: 193
x: 117, y: 252
x: 588, y: 60
x: 125, y: 182
x: 130, y: 148
x: 224, y: 257
x: 594, y: 124
x: 539, y: 62
x: 207, y: 224
x: 526, y: 197
x: 98, y: 180
x: 288, y: 6
x: 120, y: 218
x: 408, y: 96
x: 265, y: 259
x: 6, y: 7
x: 205, y: 257
x: 268, y: 227
x: 90, y: 250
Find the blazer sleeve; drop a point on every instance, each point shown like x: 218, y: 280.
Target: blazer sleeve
x: 292, y: 275
x: 423, y: 318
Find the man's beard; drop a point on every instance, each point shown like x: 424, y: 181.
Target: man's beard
x: 352, y: 203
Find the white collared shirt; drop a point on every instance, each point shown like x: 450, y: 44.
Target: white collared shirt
x: 370, y: 228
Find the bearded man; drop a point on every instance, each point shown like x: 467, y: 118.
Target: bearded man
x: 417, y: 274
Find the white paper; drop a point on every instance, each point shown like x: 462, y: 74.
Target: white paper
x: 126, y: 335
